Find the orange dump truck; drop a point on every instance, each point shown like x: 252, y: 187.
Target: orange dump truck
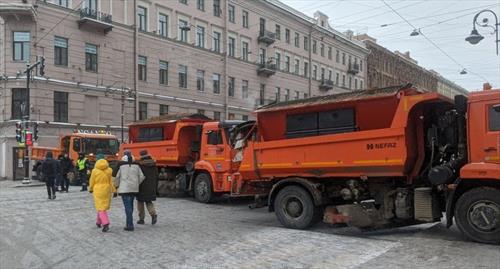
x: 80, y: 142
x: 379, y: 158
x: 192, y: 152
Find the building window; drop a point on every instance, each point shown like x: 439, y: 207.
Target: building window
x: 163, y: 25
x: 355, y: 83
x: 337, y: 79
x: 349, y: 61
x: 183, y: 76
x: 262, y: 55
x: 217, y: 9
x: 216, y: 115
x: 200, y: 80
x: 343, y: 58
x: 185, y: 2
x: 60, y: 106
x: 337, y: 56
x: 63, y: 3
x: 183, y: 31
x: 143, y: 110
x: 163, y: 73
x: 91, y: 4
x: 278, y: 32
x: 278, y: 60
x: 200, y: 112
x: 287, y: 94
x: 360, y: 65
x: 231, y: 46
x: 322, y: 73
x: 231, y: 13
x: 297, y: 40
x: 231, y: 86
x: 20, y: 100
x: 494, y: 118
x: 306, y: 95
x: 343, y: 80
x: 163, y: 110
x: 330, y: 75
x: 230, y: 116
x: 21, y: 46
x: 244, y: 89
x: 216, y: 42
x: 297, y: 95
x: 315, y: 72
x: 287, y: 63
x: 315, y: 47
x: 142, y: 14
x: 91, y: 58
x: 322, y: 50
x: 200, y: 36
x: 350, y: 82
x: 216, y: 83
x: 244, y: 117
x: 306, y: 69
x: 200, y: 4
x: 287, y: 36
x: 262, y: 94
x: 277, y: 94
x: 306, y: 43
x: 360, y: 84
x: 262, y: 25
x: 330, y: 53
x: 244, y: 50
x: 142, y: 68
x: 60, y: 51
x: 245, y: 18
x: 297, y: 67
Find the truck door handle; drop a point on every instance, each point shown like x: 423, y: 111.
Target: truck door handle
x: 490, y: 149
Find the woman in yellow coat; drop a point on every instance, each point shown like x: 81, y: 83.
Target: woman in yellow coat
x: 102, y: 187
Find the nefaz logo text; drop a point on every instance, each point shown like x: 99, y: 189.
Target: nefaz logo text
x: 380, y: 146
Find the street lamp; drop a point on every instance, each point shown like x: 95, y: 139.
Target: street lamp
x: 475, y: 37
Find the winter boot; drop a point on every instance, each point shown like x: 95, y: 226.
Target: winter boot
x: 98, y: 225
x: 154, y: 218
x: 141, y: 221
x: 129, y: 229
x: 105, y: 228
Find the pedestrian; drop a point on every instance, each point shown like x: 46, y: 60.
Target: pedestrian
x: 127, y: 181
x: 102, y: 187
x: 99, y: 155
x: 59, y: 174
x: 50, y: 170
x: 66, y: 167
x: 147, y: 189
x: 83, y: 170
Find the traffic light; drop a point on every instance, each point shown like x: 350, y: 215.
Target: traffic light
x: 35, y: 131
x: 42, y: 66
x: 19, y: 132
x: 29, y: 138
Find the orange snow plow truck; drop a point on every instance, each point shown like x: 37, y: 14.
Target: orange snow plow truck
x: 192, y: 154
x: 379, y: 158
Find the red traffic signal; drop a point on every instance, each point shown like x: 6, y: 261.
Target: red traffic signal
x: 29, y: 139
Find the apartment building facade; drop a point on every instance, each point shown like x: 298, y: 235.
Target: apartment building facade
x: 387, y: 68
x: 142, y: 58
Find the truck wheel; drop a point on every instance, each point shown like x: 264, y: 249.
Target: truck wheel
x: 295, y: 208
x: 203, y: 188
x: 477, y: 214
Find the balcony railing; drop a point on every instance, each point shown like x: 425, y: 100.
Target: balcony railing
x: 267, y: 37
x: 16, y: 10
x: 95, y: 19
x: 353, y: 68
x: 326, y: 84
x: 267, y: 69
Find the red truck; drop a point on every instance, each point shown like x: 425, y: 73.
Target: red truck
x: 379, y: 158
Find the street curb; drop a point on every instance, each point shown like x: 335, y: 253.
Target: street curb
x: 29, y: 185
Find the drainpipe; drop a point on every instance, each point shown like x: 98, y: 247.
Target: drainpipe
x: 136, y: 45
x: 226, y: 57
x: 310, y: 62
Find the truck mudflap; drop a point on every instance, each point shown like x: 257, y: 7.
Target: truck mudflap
x: 450, y: 203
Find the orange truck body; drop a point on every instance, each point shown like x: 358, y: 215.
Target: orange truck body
x: 373, y: 158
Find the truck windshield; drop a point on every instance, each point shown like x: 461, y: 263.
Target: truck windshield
x: 108, y: 146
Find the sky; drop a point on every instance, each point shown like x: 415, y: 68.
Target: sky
x: 445, y: 23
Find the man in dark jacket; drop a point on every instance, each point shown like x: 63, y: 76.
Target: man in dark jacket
x: 66, y: 164
x: 147, y: 189
x: 50, y: 169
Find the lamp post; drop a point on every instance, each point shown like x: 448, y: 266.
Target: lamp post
x: 475, y: 37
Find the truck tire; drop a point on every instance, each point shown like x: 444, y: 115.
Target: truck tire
x: 203, y: 191
x: 294, y: 208
x: 477, y: 214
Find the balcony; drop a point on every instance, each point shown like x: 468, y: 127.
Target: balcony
x: 267, y: 69
x: 267, y: 37
x: 17, y: 10
x: 353, y: 69
x: 95, y: 20
x: 326, y: 85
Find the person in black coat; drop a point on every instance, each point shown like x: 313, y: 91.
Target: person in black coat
x: 147, y: 189
x: 66, y: 164
x: 50, y: 170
